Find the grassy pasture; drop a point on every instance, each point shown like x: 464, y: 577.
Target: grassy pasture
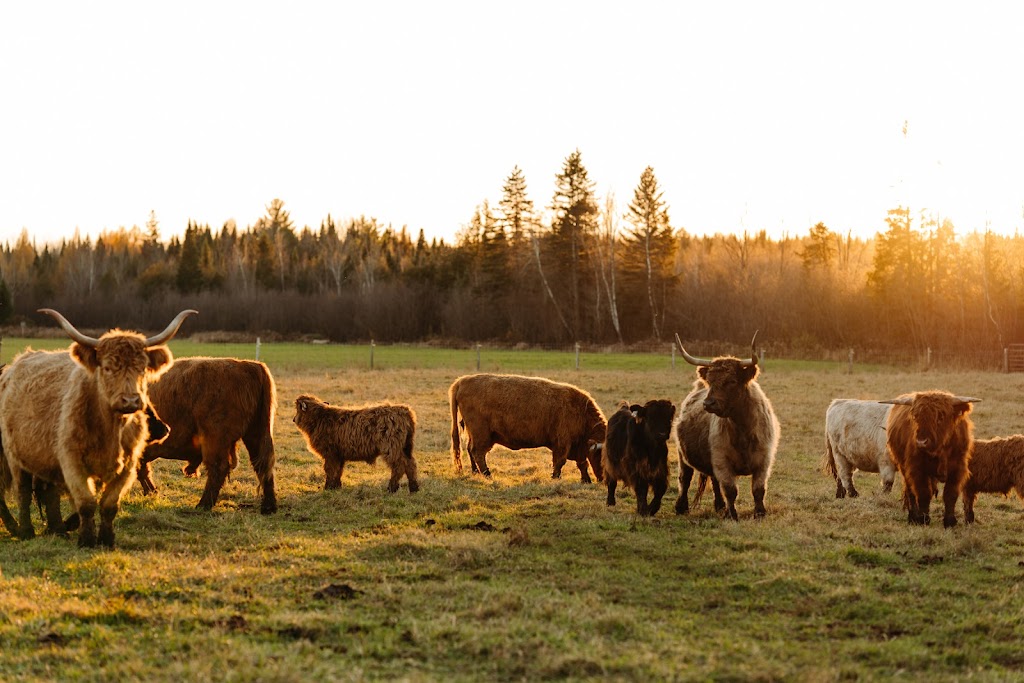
x: 522, y: 577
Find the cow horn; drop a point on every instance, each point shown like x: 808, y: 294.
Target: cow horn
x: 687, y: 357
x: 965, y: 399
x: 170, y: 330
x: 753, y: 351
x: 77, y: 336
x: 902, y: 401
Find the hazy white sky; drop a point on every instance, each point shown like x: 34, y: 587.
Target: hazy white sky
x: 754, y: 115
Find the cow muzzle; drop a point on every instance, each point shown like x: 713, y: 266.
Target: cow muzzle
x: 128, y: 404
x: 712, y: 406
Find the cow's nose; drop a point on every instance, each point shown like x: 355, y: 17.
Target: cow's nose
x: 710, y: 404
x: 130, y: 404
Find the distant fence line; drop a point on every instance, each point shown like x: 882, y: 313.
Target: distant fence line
x: 1010, y: 360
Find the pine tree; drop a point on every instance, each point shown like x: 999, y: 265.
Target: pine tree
x: 573, y: 226
x: 650, y: 247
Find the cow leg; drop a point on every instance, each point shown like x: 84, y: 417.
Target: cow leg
x: 659, y: 485
x: 333, y: 467
x: 558, y: 460
x: 25, y: 529
x: 640, y: 486
x: 478, y: 455
x: 759, y: 483
x: 594, y: 457
x: 730, y: 491
x: 685, y: 477
x: 110, y: 503
x: 411, y: 473
x: 145, y: 478
x: 612, y: 482
x: 950, y: 493
x: 716, y: 490
x: 584, y: 474
x: 919, y: 498
x: 397, y: 470
x: 969, y: 497
x: 844, y: 477
x: 48, y: 497
x: 217, y: 459
x: 9, y: 522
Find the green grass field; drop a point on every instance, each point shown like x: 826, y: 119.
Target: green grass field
x: 522, y: 577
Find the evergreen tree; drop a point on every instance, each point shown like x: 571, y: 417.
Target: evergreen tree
x: 572, y: 229
x: 650, y: 247
x: 6, y: 304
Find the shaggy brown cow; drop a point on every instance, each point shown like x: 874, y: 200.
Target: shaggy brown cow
x: 636, y: 452
x: 525, y: 412
x: 340, y: 435
x: 726, y: 428
x: 76, y: 418
x: 930, y: 438
x: 997, y: 466
x: 210, y: 404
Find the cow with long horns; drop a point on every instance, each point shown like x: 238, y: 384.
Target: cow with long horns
x: 76, y: 418
x: 930, y: 438
x: 726, y: 428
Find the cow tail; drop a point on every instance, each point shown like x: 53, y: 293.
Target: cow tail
x: 456, y: 441
x: 263, y: 459
x: 702, y: 483
x: 828, y: 461
x: 410, y: 435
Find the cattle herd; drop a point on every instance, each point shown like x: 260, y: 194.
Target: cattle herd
x: 86, y: 422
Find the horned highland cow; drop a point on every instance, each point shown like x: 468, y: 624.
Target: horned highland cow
x: 726, y: 428
x: 76, y: 418
x: 855, y: 440
x: 997, y: 466
x: 930, y: 438
x: 636, y: 452
x: 525, y: 412
x: 339, y: 435
x: 209, y: 405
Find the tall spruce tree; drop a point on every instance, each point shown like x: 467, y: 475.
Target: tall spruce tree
x: 650, y: 247
x: 573, y: 226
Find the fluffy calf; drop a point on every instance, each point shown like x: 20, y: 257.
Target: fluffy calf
x: 75, y: 418
x: 997, y: 466
x: 636, y: 451
x: 339, y: 435
x: 726, y: 428
x: 930, y: 438
x: 855, y: 440
x: 210, y: 404
x: 526, y: 412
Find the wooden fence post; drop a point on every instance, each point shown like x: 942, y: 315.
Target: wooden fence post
x: 257, y: 348
x: 577, y: 355
x: 371, y: 353
x: 478, y: 357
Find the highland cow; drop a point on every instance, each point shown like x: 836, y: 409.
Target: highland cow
x: 636, y: 452
x: 340, y: 435
x: 525, y: 412
x: 726, y: 428
x: 855, y: 440
x: 76, y: 418
x: 210, y: 404
x: 997, y: 466
x: 931, y: 438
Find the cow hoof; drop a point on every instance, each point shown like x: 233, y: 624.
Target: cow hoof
x: 840, y: 494
x: 72, y: 522
x: 86, y: 540
x: 760, y: 514
x: 682, y: 507
x: 106, y: 538
x: 268, y: 508
x: 413, y: 487
x: 26, y: 533
x: 854, y: 493
x: 949, y: 522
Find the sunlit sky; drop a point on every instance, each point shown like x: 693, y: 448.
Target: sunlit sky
x: 754, y: 115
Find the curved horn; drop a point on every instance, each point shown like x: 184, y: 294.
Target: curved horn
x: 753, y: 351
x: 902, y: 401
x: 965, y: 399
x: 82, y: 339
x: 687, y: 357
x: 171, y: 329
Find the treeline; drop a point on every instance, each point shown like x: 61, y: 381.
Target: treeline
x: 590, y: 271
